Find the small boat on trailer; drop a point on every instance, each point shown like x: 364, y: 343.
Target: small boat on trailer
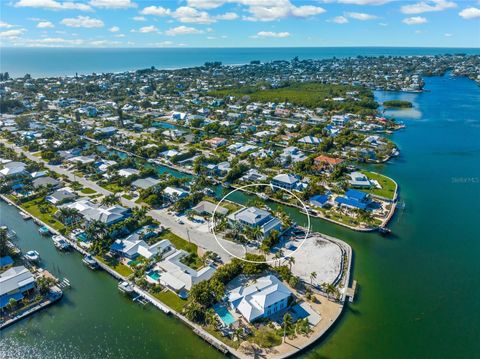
x: 90, y: 262
x: 32, y: 256
x: 60, y: 243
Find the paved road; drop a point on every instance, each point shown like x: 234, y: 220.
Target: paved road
x: 206, y: 241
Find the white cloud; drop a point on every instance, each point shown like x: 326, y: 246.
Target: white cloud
x: 190, y: 15
x: 53, y: 5
x: 139, y: 18
x: 51, y: 42
x: 182, y: 30
x: 447, y: 34
x: 187, y: 14
x: 227, y: 16
x: 364, y: 2
x: 259, y: 10
x: 415, y: 20
x: 6, y: 25
x: 360, y: 16
x: 278, y: 35
x: 113, y: 4
x: 275, y: 10
x: 104, y: 43
x: 339, y: 20
x: 45, y: 25
x: 428, y: 6
x: 148, y: 29
x: 155, y: 10
x: 470, y: 13
x: 12, y: 33
x: 114, y: 29
x: 82, y: 21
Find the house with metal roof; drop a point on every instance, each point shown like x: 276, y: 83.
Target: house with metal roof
x: 14, y: 283
x: 256, y: 217
x: 261, y: 299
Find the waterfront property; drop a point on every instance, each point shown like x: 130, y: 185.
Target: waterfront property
x: 15, y: 283
x: 254, y: 217
x: 262, y: 298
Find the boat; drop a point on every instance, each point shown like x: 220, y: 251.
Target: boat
x: 32, y: 256
x: 125, y: 287
x: 44, y: 231
x: 24, y: 215
x: 384, y: 230
x: 11, y: 234
x: 60, y: 243
x: 90, y: 262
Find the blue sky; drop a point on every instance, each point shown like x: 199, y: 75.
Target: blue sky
x: 239, y: 23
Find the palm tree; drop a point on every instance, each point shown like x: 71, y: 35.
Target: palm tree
x: 330, y: 289
x: 287, y: 322
x: 257, y: 233
x: 110, y: 200
x: 313, y: 276
x: 290, y: 261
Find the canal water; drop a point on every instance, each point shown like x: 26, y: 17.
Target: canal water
x: 417, y: 288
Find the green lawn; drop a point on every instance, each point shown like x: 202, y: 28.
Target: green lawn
x: 33, y: 207
x: 226, y: 340
x: 178, y: 242
x: 118, y: 267
x: 87, y: 190
x: 266, y: 337
x: 388, y: 185
x: 113, y: 187
x: 171, y: 299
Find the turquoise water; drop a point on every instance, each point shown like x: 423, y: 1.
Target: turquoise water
x: 154, y: 275
x: 163, y: 125
x: 62, y: 61
x: 226, y: 317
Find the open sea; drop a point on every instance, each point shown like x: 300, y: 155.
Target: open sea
x: 418, y: 289
x: 43, y: 62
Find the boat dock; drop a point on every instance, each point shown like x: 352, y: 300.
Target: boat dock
x: 350, y: 292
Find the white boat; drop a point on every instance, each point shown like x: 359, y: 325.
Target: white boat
x: 125, y: 287
x: 24, y: 215
x: 262, y: 195
x: 90, y: 262
x: 60, y: 243
x: 11, y: 234
x: 32, y: 256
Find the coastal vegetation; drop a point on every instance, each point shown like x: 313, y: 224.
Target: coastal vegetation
x: 397, y: 104
x: 330, y: 97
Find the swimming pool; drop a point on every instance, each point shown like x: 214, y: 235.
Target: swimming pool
x: 82, y: 237
x: 154, y: 275
x: 224, y: 314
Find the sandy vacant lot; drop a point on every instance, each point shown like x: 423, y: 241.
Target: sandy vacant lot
x: 320, y: 256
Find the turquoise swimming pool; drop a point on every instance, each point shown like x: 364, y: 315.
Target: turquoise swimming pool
x: 154, y: 275
x: 82, y: 237
x: 224, y: 314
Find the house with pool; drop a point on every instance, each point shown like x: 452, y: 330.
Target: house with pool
x: 177, y: 276
x: 262, y: 298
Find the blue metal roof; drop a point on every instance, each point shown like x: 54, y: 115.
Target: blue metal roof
x: 5, y: 261
x: 351, y: 202
x: 356, y: 194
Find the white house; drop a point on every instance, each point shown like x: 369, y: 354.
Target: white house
x: 263, y: 298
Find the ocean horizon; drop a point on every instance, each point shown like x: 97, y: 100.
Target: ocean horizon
x: 50, y: 62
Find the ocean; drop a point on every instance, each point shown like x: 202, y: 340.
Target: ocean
x: 44, y: 62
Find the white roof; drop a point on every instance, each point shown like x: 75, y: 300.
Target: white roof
x: 14, y: 278
x: 252, y: 300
